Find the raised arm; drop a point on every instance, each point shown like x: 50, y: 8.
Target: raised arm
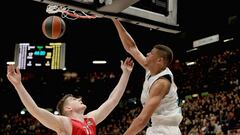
x: 106, y: 108
x: 129, y: 43
x: 45, y: 117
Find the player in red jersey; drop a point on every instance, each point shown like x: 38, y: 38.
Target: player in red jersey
x: 72, y: 120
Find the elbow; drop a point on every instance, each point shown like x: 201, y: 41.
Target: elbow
x: 34, y: 111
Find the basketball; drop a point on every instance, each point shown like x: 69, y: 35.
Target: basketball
x: 53, y: 27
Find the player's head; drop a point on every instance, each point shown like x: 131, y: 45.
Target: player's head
x: 69, y: 103
x: 165, y: 52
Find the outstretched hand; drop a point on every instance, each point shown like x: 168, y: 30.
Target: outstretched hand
x: 13, y: 74
x: 127, y: 65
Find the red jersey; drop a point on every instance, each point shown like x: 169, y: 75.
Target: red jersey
x: 88, y: 127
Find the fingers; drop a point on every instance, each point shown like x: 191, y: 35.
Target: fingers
x: 121, y: 62
x: 128, y: 61
x: 17, y: 70
x: 127, y: 64
x: 10, y: 68
x: 132, y: 64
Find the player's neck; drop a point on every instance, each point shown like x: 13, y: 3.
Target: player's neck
x: 77, y: 116
x: 157, y: 71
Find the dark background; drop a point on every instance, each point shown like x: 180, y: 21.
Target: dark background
x: 87, y: 40
x: 97, y: 39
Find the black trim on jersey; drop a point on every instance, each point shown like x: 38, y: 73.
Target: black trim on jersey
x: 168, y: 77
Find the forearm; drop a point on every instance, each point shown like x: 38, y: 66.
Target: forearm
x: 136, y: 126
x: 106, y: 108
x: 26, y: 99
x: 118, y: 91
x: 125, y: 37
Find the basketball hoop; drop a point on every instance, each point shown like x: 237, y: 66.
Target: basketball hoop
x: 68, y: 13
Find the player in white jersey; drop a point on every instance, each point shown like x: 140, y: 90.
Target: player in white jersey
x: 159, y: 96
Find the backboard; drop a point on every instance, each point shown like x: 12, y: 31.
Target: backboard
x: 155, y: 14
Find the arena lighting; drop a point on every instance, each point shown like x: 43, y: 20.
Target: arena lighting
x: 191, y: 50
x: 23, y: 111
x: 183, y: 101
x: 206, y: 40
x: 195, y: 95
x: 64, y: 69
x: 56, y: 112
x: 10, y: 63
x: 99, y: 62
x: 227, y: 40
x: 190, y: 63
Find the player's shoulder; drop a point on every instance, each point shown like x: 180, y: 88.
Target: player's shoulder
x: 66, y: 124
x: 163, y: 80
x: 161, y: 83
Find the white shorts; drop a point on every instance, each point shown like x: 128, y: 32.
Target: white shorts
x: 163, y: 130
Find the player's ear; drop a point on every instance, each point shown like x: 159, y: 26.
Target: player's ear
x: 67, y: 108
x: 160, y: 59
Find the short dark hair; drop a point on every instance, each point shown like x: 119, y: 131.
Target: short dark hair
x: 166, y: 52
x: 60, y: 104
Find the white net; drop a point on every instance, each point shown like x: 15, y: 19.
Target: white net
x: 68, y: 13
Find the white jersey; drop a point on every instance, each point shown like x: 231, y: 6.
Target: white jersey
x: 168, y: 112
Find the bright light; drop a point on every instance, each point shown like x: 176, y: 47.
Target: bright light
x: 195, y: 95
x: 206, y: 40
x: 56, y: 112
x: 191, y: 50
x: 10, y: 63
x: 99, y: 62
x: 183, y: 101
x: 190, y: 63
x: 227, y: 40
x: 22, y: 112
